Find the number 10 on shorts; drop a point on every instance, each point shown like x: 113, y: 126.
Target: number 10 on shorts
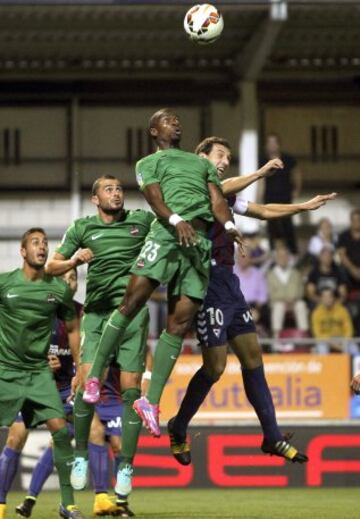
x: 216, y: 316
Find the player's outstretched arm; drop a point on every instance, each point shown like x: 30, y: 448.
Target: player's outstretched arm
x: 185, y: 232
x: 58, y: 265
x: 270, y: 211
x: 233, y: 185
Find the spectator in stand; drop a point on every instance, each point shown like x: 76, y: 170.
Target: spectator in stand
x: 281, y: 188
x: 331, y: 320
x: 325, y: 237
x: 326, y: 274
x: 252, y: 281
x: 286, y: 291
x: 349, y: 252
x: 258, y: 255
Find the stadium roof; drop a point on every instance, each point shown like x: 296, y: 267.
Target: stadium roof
x: 146, y: 42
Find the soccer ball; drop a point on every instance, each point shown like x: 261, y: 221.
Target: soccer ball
x: 203, y: 23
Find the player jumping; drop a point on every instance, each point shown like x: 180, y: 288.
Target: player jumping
x: 109, y: 242
x: 29, y: 303
x: 184, y: 192
x: 225, y: 318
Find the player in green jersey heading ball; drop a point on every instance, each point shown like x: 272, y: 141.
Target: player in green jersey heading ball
x: 30, y: 300
x: 184, y: 192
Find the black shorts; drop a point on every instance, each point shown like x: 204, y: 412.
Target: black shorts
x: 224, y: 313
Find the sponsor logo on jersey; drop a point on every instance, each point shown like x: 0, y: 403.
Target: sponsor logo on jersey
x: 60, y: 352
x: 96, y: 236
x: 134, y: 230
x: 247, y: 316
x: 114, y: 423
x: 51, y: 298
x: 140, y: 264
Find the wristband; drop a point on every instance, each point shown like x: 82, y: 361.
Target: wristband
x: 147, y: 375
x: 229, y: 225
x: 174, y: 219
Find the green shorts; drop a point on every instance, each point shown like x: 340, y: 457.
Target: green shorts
x: 184, y: 269
x: 130, y: 354
x: 34, y: 394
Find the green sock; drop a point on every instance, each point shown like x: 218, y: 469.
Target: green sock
x: 63, y: 459
x: 83, y: 415
x: 166, y: 353
x: 131, y: 426
x: 111, y: 337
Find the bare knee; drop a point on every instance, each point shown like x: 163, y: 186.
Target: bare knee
x: 137, y: 293
x: 214, y: 371
x: 96, y: 435
x: 115, y: 443
x: 17, y: 437
x: 129, y: 380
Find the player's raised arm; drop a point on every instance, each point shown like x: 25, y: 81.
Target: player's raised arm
x: 186, y: 233
x: 233, y: 185
x: 270, y: 211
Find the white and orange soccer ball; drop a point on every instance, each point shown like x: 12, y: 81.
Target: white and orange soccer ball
x: 203, y: 23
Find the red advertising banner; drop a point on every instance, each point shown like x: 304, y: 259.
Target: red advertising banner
x: 228, y: 457
x: 303, y: 387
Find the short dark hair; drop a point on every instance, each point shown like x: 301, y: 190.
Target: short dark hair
x: 30, y: 231
x: 275, y: 135
x: 207, y: 144
x: 158, y: 115
x: 96, y: 184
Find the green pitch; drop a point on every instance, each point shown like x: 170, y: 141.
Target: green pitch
x: 339, y: 503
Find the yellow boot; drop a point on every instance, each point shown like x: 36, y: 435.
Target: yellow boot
x: 103, y: 505
x: 2, y: 511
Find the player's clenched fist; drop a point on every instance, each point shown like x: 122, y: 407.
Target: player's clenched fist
x: 270, y: 167
x: 186, y: 234
x: 82, y: 256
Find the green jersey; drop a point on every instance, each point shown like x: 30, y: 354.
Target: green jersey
x: 183, y: 178
x: 27, y: 311
x: 115, y: 246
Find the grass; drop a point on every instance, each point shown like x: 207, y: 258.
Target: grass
x: 339, y: 503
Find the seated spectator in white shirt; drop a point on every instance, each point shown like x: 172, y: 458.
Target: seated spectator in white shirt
x: 325, y: 236
x: 286, y: 292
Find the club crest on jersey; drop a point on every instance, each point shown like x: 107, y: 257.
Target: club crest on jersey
x: 51, y: 298
x: 217, y: 332
x: 134, y: 230
x: 140, y: 264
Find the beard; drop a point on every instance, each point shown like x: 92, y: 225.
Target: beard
x: 112, y: 211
